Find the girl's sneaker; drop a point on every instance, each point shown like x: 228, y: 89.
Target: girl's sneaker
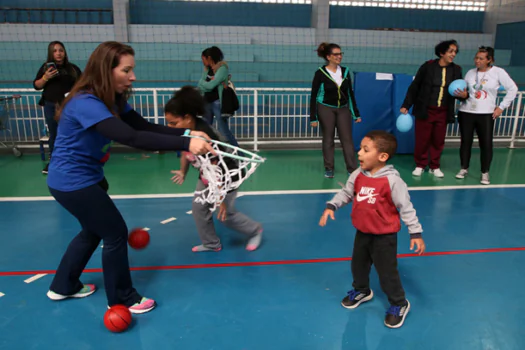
x: 255, y: 241
x: 143, y: 306
x: 87, y: 290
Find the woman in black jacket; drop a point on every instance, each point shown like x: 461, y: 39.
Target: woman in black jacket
x: 56, y: 77
x: 433, y: 106
x: 332, y: 103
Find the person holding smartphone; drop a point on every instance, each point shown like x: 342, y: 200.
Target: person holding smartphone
x: 55, y: 77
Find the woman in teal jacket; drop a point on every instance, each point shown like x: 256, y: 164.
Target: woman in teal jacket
x: 214, y: 77
x: 333, y: 105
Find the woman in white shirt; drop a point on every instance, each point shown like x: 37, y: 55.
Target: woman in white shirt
x: 479, y: 112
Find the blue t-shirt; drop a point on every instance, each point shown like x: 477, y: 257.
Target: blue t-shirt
x: 80, y: 152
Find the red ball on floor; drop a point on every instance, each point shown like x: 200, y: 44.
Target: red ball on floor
x: 117, y: 319
x: 138, y: 238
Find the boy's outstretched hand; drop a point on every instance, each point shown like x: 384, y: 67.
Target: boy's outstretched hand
x: 419, y: 243
x: 324, y: 217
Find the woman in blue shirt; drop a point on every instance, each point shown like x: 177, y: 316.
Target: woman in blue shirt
x: 92, y: 117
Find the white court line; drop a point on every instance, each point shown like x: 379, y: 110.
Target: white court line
x: 35, y: 277
x: 263, y: 193
x: 168, y: 220
x: 146, y: 229
x: 189, y: 212
x: 1, y: 294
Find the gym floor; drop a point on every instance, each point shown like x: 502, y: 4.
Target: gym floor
x: 287, y: 294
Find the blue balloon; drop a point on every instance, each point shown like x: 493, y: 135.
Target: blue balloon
x: 404, y: 122
x: 457, y: 84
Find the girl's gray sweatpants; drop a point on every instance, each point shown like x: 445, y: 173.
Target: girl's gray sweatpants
x: 234, y: 220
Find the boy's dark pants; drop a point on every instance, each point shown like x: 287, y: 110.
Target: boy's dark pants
x: 380, y: 250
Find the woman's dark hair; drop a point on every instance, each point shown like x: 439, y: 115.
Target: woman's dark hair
x: 51, y: 50
x: 325, y: 49
x: 214, y: 52
x: 51, y: 58
x: 489, y: 51
x: 187, y: 100
x: 443, y: 47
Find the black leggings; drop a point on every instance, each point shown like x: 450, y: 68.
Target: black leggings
x: 100, y: 220
x: 483, y: 124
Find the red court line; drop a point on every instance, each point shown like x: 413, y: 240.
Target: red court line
x: 266, y: 263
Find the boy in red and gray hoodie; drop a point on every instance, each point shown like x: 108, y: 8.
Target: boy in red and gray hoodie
x: 378, y: 193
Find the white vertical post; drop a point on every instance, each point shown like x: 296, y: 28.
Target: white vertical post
x: 255, y: 119
x: 516, y: 120
x: 155, y: 106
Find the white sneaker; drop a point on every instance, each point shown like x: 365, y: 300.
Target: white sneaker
x: 485, y: 180
x: 87, y: 290
x: 437, y: 172
x: 418, y: 171
x: 462, y: 173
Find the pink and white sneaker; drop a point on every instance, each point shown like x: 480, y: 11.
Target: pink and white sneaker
x: 87, y: 290
x: 255, y: 241
x: 143, y: 306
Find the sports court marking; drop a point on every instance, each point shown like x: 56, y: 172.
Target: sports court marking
x: 1, y: 294
x: 34, y: 278
x: 264, y: 193
x: 267, y: 263
x: 168, y: 220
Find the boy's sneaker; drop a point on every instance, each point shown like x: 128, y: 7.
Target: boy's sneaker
x: 329, y: 174
x: 87, y: 290
x: 462, y: 173
x: 355, y: 298
x: 143, y: 306
x: 395, y: 316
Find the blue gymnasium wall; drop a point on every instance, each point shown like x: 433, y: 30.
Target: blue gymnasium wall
x: 510, y: 36
x: 380, y: 100
x: 60, y: 17
x: 73, y: 4
x: 352, y: 17
x: 270, y: 15
x: 223, y: 13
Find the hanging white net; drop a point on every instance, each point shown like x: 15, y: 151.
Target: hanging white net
x: 223, y: 172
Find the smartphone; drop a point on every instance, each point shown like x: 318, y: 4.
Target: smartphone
x: 51, y: 64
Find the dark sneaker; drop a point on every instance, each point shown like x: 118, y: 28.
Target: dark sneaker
x: 355, y: 298
x: 44, y: 171
x: 395, y: 316
x: 329, y: 173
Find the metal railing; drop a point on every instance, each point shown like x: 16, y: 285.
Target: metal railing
x: 267, y: 116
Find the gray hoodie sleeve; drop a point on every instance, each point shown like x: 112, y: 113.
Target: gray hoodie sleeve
x: 346, y: 195
x: 401, y: 200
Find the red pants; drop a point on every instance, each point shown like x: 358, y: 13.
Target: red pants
x: 430, y: 136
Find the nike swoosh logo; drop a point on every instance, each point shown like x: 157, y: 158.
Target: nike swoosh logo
x: 360, y: 198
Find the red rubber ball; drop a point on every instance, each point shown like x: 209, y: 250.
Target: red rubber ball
x: 117, y: 319
x: 138, y: 238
